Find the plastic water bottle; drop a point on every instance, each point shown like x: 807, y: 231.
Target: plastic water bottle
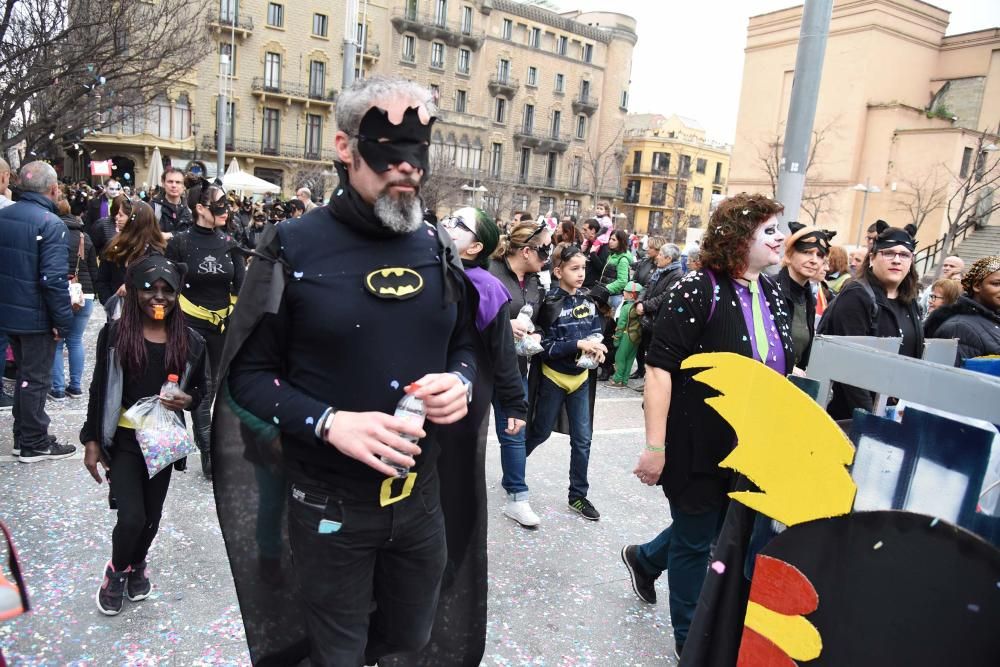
x: 524, y: 317
x: 170, y: 388
x: 411, y: 409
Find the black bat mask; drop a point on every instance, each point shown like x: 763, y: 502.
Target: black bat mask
x: 382, y: 144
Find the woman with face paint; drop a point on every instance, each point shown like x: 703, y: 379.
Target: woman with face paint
x: 805, y: 251
x: 520, y: 256
x: 730, y: 305
x: 881, y: 301
x: 135, y: 354
x: 215, y: 273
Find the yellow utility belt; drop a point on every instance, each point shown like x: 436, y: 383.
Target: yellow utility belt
x: 125, y: 422
x: 214, y: 317
x: 566, y: 382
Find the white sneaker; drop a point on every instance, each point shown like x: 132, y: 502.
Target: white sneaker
x: 520, y: 511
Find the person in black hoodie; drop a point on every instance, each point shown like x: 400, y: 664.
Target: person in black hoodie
x: 135, y: 354
x: 171, y: 211
x: 82, y: 269
x: 975, y: 318
x: 881, y: 301
x: 215, y: 274
x: 805, y: 251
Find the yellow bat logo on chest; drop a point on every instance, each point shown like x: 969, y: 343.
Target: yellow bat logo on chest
x: 394, y: 283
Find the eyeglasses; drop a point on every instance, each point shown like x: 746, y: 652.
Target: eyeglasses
x: 935, y: 297
x: 538, y: 230
x: 455, y: 222
x: 902, y: 255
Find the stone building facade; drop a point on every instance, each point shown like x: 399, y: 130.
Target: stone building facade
x: 671, y: 175
x: 901, y: 106
x: 531, y: 103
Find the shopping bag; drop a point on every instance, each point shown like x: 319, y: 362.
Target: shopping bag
x: 161, y: 433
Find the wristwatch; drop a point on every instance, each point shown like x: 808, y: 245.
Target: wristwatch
x: 468, y: 386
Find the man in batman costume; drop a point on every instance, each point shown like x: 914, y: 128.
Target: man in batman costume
x: 334, y: 557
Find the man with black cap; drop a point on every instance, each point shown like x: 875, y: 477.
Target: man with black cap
x: 881, y: 301
x: 354, y: 302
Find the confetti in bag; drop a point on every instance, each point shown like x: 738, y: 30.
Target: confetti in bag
x: 588, y: 361
x: 161, y: 433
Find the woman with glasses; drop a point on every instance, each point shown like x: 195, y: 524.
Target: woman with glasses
x: 881, y: 301
x: 215, y: 268
x: 519, y: 256
x: 974, y: 319
x: 943, y: 292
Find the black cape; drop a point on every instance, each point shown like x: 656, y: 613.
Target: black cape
x: 245, y: 451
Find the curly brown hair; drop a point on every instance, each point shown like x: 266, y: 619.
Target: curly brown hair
x: 726, y: 243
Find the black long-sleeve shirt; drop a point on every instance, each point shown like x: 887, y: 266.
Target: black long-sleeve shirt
x: 215, y: 266
x: 335, y: 343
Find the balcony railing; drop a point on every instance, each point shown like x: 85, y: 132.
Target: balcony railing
x: 526, y: 137
x: 585, y: 104
x: 259, y: 147
x: 292, y: 90
x: 225, y: 22
x: 370, y: 50
x: 429, y: 26
x: 553, y: 142
x: 503, y: 85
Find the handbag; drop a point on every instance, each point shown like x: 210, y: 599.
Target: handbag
x: 76, y: 299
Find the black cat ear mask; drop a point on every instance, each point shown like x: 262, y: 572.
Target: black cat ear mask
x: 383, y: 143
x: 804, y: 238
x: 890, y: 237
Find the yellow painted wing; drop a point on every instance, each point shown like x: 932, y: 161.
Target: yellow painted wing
x: 786, y: 443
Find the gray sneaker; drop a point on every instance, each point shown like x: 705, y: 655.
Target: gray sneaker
x: 54, y: 451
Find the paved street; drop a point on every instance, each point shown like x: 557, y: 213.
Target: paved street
x: 558, y: 596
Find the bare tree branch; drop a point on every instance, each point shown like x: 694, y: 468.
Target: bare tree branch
x: 922, y: 196
x: 69, y: 68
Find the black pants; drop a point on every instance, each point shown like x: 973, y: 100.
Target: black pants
x: 139, y: 499
x: 201, y: 417
x: 640, y: 356
x: 33, y: 354
x: 347, y: 554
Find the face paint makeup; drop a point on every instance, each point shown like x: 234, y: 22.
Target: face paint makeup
x: 383, y: 143
x: 766, y: 246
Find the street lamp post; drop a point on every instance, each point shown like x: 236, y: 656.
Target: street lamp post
x: 867, y: 188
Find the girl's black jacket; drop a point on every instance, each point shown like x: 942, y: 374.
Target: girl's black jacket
x: 105, y: 404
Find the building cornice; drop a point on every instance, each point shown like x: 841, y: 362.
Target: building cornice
x: 533, y: 52
x: 539, y: 15
x: 966, y: 40
x: 849, y: 31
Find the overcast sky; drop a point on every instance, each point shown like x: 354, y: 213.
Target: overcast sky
x: 689, y: 59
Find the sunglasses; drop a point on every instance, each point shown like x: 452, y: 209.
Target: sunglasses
x: 538, y: 230
x: 455, y: 222
x: 543, y: 250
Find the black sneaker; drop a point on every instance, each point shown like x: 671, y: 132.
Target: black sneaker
x: 111, y: 594
x: 585, y: 508
x: 642, y: 583
x: 6, y: 402
x: 138, y: 587
x: 73, y: 392
x: 54, y: 451
x: 57, y: 395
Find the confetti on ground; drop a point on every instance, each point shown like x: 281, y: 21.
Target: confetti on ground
x: 878, y: 545
x: 719, y: 566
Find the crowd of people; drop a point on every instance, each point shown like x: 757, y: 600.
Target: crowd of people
x: 459, y: 314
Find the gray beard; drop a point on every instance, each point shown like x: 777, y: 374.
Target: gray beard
x: 401, y: 215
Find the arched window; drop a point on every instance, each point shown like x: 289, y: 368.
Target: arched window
x: 158, y: 122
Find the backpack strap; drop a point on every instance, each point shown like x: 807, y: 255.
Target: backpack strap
x: 873, y: 315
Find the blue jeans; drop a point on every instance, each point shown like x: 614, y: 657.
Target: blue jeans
x: 547, y: 406
x: 683, y: 550
x: 74, y: 341
x: 512, y: 456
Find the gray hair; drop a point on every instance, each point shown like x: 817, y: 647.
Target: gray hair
x: 38, y: 177
x: 304, y: 191
x: 355, y: 101
x: 4, y: 167
x: 694, y: 255
x: 671, y: 251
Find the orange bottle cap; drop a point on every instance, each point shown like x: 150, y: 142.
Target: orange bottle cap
x: 172, y: 378
x: 412, y: 387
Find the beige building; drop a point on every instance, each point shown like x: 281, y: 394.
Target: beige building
x: 901, y: 106
x: 671, y: 175
x: 532, y: 103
